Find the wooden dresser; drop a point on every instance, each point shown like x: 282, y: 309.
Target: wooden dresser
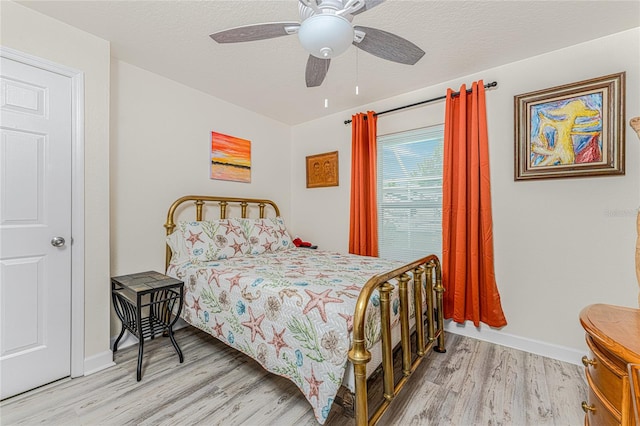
x: 613, y: 338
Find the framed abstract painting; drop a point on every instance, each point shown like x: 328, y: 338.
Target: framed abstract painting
x: 230, y: 158
x: 575, y: 130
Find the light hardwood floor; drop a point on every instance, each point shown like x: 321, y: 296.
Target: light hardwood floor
x: 474, y: 383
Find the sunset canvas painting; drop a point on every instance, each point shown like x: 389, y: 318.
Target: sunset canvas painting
x: 230, y: 158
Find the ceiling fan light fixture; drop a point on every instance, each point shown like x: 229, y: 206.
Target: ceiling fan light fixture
x: 326, y: 36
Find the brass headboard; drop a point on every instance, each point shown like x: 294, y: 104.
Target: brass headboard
x: 224, y: 204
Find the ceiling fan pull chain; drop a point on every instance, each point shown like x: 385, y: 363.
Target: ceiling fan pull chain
x: 326, y: 100
x: 357, y: 70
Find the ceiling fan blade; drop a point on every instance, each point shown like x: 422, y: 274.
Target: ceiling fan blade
x: 316, y: 71
x: 388, y: 46
x: 368, y: 5
x: 256, y: 32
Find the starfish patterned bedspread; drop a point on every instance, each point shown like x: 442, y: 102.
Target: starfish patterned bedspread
x: 291, y: 311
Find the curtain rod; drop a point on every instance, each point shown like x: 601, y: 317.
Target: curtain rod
x: 454, y: 94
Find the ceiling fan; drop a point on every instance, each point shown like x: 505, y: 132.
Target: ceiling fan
x: 325, y: 31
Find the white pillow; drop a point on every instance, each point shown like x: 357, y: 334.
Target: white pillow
x: 266, y: 235
x: 209, y: 240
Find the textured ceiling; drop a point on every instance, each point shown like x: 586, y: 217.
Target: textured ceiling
x: 171, y: 38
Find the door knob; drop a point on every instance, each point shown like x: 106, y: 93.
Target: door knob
x: 57, y: 241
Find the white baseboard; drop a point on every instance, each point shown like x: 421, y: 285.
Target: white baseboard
x: 549, y: 350
x: 98, y: 362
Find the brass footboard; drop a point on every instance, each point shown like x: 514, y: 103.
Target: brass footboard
x: 427, y: 271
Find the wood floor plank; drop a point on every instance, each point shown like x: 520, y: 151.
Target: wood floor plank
x: 566, y: 389
x: 537, y: 397
x: 473, y: 383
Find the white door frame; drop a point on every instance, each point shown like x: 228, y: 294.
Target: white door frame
x: 77, y: 197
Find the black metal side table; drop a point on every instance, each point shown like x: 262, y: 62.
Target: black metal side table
x: 145, y: 304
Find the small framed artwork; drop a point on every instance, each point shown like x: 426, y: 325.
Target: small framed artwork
x: 322, y: 170
x: 230, y: 158
x: 575, y: 130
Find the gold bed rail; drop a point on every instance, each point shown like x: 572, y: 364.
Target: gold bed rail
x: 223, y: 203
x: 360, y: 356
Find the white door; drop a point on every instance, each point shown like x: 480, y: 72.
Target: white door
x: 35, y: 227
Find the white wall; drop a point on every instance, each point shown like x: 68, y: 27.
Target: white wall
x: 559, y: 244
x: 160, y: 146
x: 36, y: 34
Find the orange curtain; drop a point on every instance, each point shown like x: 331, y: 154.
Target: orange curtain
x: 468, y: 274
x: 363, y: 227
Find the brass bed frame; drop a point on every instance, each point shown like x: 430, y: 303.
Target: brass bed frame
x: 425, y: 270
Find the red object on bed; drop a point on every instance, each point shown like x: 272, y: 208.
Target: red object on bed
x: 299, y: 243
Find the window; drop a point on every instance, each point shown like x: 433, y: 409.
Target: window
x: 410, y: 194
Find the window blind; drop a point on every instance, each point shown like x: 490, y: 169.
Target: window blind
x: 410, y: 193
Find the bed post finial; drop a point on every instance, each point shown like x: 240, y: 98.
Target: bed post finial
x: 199, y: 204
